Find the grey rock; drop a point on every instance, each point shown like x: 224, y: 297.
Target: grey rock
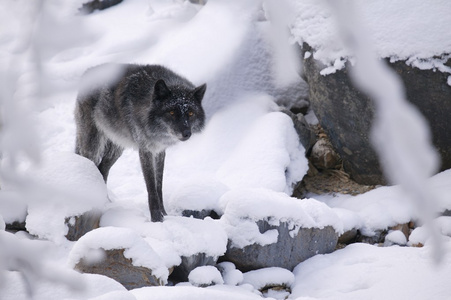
x: 323, y: 155
x: 287, y: 252
x: 307, y: 136
x: 200, y: 214
x: 429, y: 92
x: 188, y: 264
x: 15, y: 226
x: 377, y: 238
x: 346, y: 114
x: 80, y: 225
x: 118, y: 267
x: 91, y: 6
x: 348, y: 237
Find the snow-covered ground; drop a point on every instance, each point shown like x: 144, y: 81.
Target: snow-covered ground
x: 243, y: 164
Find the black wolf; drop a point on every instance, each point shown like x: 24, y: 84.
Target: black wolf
x: 147, y: 107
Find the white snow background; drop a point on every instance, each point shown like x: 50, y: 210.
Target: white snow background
x: 244, y: 163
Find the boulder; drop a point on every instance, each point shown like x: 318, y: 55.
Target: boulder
x: 200, y: 214
x: 82, y: 224
x: 323, y: 156
x: 271, y: 229
x: 121, y: 254
x: 289, y: 250
x: 345, y: 113
x: 118, y: 267
x: 307, y: 135
x: 91, y: 6
x: 189, y: 263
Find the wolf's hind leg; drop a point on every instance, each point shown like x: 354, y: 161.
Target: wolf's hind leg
x: 111, y: 154
x: 90, y: 143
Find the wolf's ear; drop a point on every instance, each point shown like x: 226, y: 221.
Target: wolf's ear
x: 161, y: 90
x: 199, y: 92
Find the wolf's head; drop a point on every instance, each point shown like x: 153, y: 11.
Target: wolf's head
x: 179, y: 108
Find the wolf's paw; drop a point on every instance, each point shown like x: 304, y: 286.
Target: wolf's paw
x: 157, y: 216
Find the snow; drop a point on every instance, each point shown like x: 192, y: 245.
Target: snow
x: 230, y: 274
x: 395, y: 237
x: 67, y: 178
x: 243, y: 165
x: 373, y: 272
x: 205, y: 276
x: 269, y: 277
x: 194, y: 293
x: 415, y: 31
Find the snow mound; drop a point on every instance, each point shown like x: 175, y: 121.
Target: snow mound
x: 386, y: 22
x: 269, y: 277
x: 220, y: 292
x: 196, y: 194
x: 109, y: 238
x: 386, y: 206
x: 205, y: 276
x: 230, y: 274
x: 69, y: 185
x: 395, y: 237
x: 13, y: 208
x: 421, y: 235
x: 388, y: 272
x: 116, y: 295
x: 173, y: 238
x: 247, y: 144
x: 244, y: 207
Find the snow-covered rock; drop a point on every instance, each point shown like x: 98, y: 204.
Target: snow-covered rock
x: 269, y: 277
x: 422, y: 60
x: 262, y: 236
x: 205, y: 276
x: 230, y: 274
x: 121, y: 254
x: 395, y: 237
x: 181, y: 243
x: 69, y: 185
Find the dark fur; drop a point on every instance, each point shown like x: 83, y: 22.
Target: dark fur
x: 145, y: 107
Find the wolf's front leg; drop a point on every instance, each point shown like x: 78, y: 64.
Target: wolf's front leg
x: 152, y: 167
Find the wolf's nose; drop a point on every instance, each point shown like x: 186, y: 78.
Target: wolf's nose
x: 186, y: 134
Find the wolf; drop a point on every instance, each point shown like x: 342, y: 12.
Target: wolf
x: 146, y: 107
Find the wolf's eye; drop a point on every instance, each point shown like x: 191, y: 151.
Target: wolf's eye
x: 190, y: 113
x: 172, y: 112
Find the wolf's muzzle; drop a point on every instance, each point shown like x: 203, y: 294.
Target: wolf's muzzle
x: 186, y: 134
